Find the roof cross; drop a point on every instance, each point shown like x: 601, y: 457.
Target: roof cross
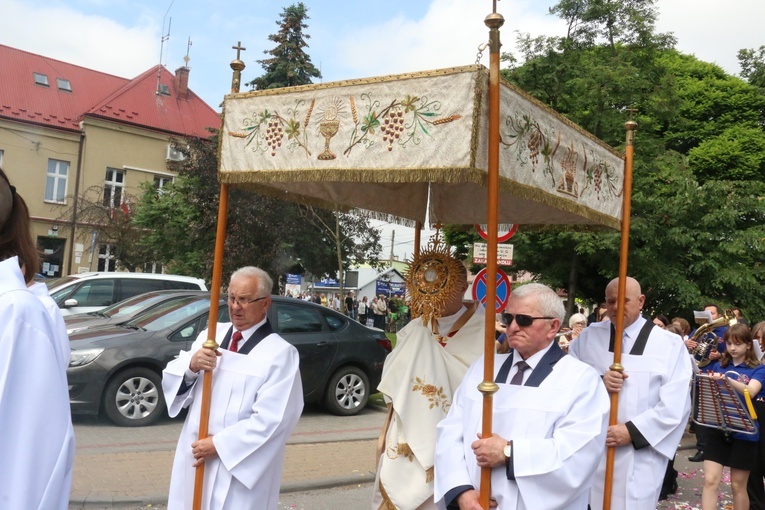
x: 238, y: 49
x: 631, y: 110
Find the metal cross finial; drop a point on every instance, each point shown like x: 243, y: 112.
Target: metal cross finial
x: 495, y: 6
x: 239, y: 48
x: 631, y: 110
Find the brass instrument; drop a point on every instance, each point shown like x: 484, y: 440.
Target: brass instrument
x: 706, y: 339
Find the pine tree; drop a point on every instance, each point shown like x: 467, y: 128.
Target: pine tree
x: 289, y: 64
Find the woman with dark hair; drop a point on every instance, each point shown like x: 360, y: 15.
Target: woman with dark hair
x: 737, y: 451
x: 35, y: 421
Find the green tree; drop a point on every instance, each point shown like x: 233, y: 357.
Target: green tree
x: 349, y: 235
x: 698, y: 213
x: 289, y: 64
x: 752, y: 64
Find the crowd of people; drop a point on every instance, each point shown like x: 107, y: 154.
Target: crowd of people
x: 383, y: 312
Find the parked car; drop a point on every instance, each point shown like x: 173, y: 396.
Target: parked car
x: 117, y: 369
x: 126, y: 309
x: 90, y: 292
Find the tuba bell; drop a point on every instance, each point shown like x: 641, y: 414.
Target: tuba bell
x: 707, y: 340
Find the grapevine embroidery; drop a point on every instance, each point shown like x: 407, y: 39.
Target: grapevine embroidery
x: 538, y: 143
x: 528, y: 140
x: 402, y: 122
x: 265, y: 130
x: 435, y: 395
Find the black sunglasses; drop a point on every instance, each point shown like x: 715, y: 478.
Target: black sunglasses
x: 521, y: 319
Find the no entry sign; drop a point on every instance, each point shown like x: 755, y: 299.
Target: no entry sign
x: 503, y: 289
x: 504, y: 232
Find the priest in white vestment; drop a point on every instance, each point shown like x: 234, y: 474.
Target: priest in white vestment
x: 256, y: 401
x: 418, y: 381
x: 550, y: 417
x: 654, y: 399
x: 35, y: 421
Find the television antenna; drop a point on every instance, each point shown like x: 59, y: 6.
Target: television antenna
x: 162, y: 44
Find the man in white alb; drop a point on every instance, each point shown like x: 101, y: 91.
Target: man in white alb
x: 549, y: 419
x: 654, y: 401
x: 256, y: 401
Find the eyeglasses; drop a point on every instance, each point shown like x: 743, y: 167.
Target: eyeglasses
x: 243, y: 301
x: 522, y: 320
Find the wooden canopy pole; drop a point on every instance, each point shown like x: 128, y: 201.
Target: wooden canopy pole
x: 212, y: 320
x: 630, y: 126
x: 488, y: 387
x: 417, y: 234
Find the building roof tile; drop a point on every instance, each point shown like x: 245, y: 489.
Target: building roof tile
x: 97, y: 94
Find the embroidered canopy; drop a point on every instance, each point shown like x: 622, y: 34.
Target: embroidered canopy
x: 398, y: 144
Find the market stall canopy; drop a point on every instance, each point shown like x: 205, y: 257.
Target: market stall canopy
x: 395, y: 144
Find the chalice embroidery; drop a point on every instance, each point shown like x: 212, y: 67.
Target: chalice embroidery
x: 329, y: 125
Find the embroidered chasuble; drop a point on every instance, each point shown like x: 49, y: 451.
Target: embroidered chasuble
x: 419, y: 379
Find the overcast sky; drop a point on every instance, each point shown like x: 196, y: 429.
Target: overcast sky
x: 349, y: 39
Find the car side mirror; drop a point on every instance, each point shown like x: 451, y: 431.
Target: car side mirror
x: 69, y: 303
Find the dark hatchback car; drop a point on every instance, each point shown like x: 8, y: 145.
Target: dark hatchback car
x: 117, y: 369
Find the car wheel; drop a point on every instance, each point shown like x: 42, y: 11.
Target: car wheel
x: 347, y: 391
x: 133, y: 398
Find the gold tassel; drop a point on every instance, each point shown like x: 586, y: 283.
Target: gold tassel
x: 749, y: 405
x: 429, y: 475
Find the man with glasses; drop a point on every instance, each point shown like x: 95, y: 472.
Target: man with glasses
x: 549, y: 419
x: 654, y: 402
x: 256, y: 401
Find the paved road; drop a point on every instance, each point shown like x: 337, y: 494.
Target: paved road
x: 117, y: 467
x: 329, y: 464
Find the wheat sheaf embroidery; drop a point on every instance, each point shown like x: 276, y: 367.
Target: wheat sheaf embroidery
x: 434, y: 394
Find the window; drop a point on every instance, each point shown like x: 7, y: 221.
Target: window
x: 335, y: 323
x: 107, y: 260
x: 41, y: 79
x: 160, y: 181
x: 153, y: 267
x: 113, y: 185
x: 2, y: 153
x: 63, y: 84
x: 130, y: 287
x: 296, y: 319
x: 164, y: 89
x: 55, y: 182
x: 95, y: 293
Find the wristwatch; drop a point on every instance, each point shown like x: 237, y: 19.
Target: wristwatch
x: 508, y: 450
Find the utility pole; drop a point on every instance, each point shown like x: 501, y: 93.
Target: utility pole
x: 392, y: 243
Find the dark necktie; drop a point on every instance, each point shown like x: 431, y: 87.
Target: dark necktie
x: 235, y: 341
x: 518, y: 377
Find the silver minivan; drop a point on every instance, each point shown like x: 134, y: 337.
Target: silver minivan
x: 90, y: 292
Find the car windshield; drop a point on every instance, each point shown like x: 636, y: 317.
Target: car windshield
x: 168, y: 314
x: 58, y: 282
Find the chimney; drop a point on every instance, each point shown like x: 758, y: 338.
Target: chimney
x: 182, y: 82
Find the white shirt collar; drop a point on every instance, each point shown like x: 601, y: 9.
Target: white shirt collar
x: 247, y: 333
x: 533, y: 360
